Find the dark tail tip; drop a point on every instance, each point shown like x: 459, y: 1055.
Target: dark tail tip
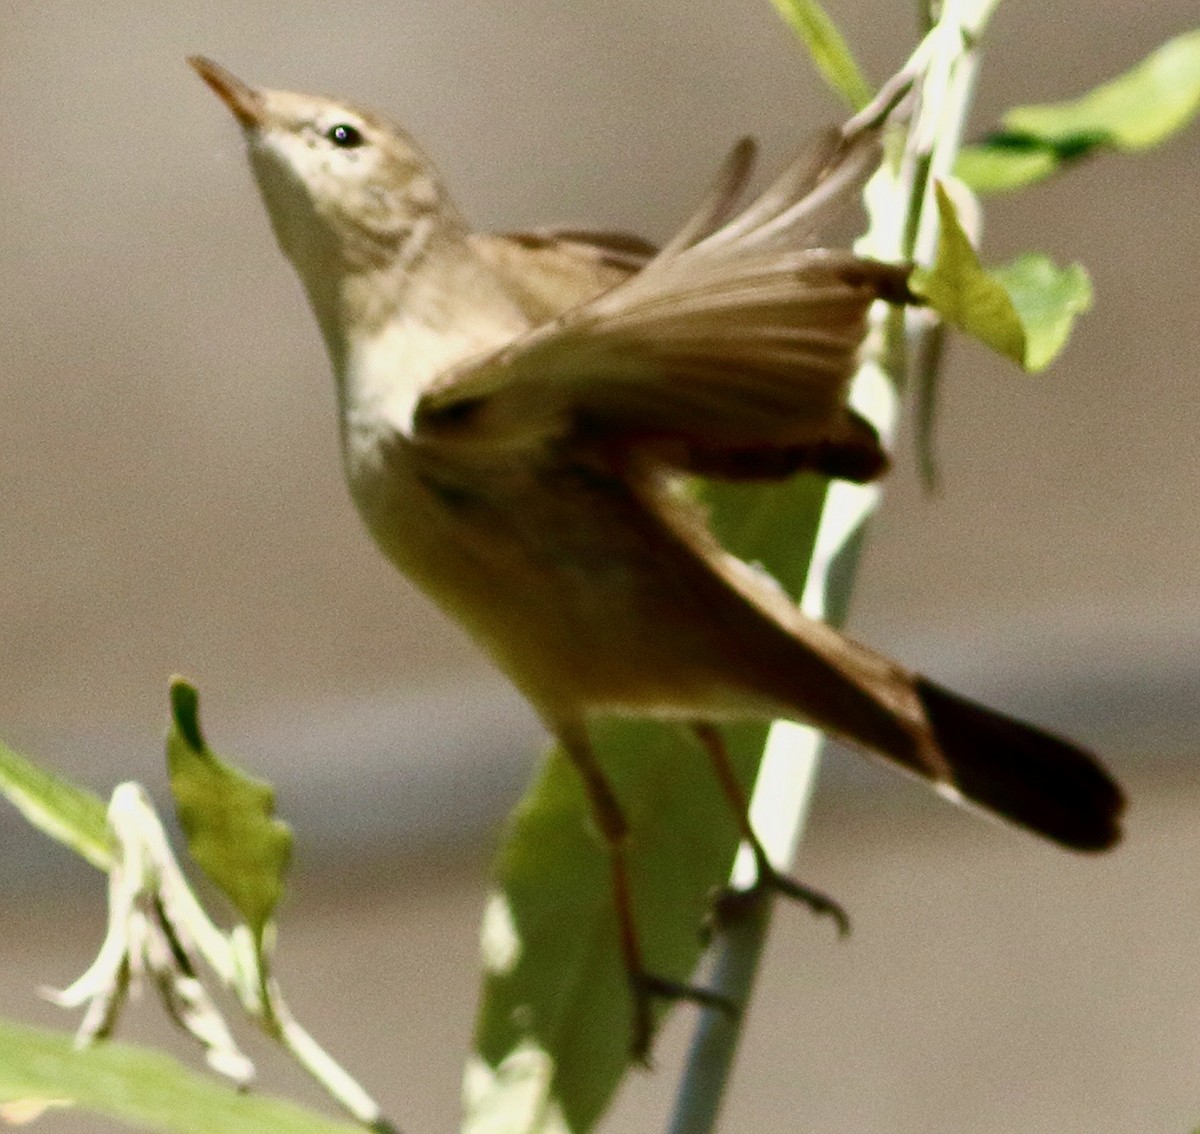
x: 1024, y: 774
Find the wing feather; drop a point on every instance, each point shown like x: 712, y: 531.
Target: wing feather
x: 739, y: 338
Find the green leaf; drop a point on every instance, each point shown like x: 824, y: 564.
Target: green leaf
x: 1136, y: 110
x: 41, y: 1069
x: 1003, y: 163
x: 556, y: 995
x: 1047, y: 300
x: 227, y: 816
x: 553, y: 1033
x: 959, y: 289
x: 73, y: 815
x: 828, y: 49
x: 1024, y: 312
x: 1141, y: 108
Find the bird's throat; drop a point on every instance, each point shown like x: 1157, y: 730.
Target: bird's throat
x: 396, y: 332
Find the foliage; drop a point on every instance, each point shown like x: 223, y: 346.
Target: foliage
x: 42, y: 1071
x: 1141, y: 108
x: 70, y: 814
x: 1023, y: 311
x: 227, y: 816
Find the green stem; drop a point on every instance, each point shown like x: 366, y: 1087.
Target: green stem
x: 710, y: 1058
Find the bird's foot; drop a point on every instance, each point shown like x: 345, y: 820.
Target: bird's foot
x: 648, y: 987
x: 733, y: 904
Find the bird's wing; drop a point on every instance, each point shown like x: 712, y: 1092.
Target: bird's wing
x: 729, y: 353
x: 550, y: 270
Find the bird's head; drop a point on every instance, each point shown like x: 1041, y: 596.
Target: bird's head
x: 346, y: 190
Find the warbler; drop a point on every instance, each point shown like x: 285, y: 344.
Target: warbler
x: 519, y: 416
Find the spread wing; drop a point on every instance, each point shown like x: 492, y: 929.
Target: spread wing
x: 728, y: 353
x: 550, y: 270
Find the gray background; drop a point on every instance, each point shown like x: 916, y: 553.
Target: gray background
x: 170, y: 500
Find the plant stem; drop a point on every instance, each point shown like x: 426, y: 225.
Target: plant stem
x: 714, y: 1043
x: 778, y: 812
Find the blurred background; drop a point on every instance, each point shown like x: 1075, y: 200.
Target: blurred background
x: 171, y: 501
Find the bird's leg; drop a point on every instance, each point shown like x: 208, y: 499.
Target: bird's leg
x: 732, y: 903
x: 644, y: 986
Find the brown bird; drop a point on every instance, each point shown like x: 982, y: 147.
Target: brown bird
x: 518, y: 415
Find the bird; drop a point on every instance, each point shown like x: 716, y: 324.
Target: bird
x: 521, y: 416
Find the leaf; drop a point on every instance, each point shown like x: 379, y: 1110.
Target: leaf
x: 1138, y: 109
x: 553, y: 1033
x: 828, y: 49
x: 555, y: 992
x: 1004, y: 162
x: 72, y: 815
x: 142, y: 1088
x: 1047, y: 300
x: 964, y: 294
x: 1024, y: 312
x: 774, y: 525
x: 227, y: 816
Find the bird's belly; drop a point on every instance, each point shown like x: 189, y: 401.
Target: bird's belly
x: 572, y: 596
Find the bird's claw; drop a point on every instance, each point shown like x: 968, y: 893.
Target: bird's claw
x: 648, y: 987
x: 733, y: 904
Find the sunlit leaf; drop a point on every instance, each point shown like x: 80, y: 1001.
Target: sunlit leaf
x: 556, y: 995
x: 142, y: 1088
x: 965, y: 295
x: 1002, y: 163
x: 227, y: 816
x: 1047, y: 300
x: 1138, y: 109
x: 1024, y: 312
x: 72, y: 815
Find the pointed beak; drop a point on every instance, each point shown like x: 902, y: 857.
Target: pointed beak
x: 244, y: 101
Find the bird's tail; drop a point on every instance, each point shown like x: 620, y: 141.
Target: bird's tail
x: 1014, y: 770
x: 1022, y: 773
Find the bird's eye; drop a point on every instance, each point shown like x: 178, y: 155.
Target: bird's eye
x: 345, y: 135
